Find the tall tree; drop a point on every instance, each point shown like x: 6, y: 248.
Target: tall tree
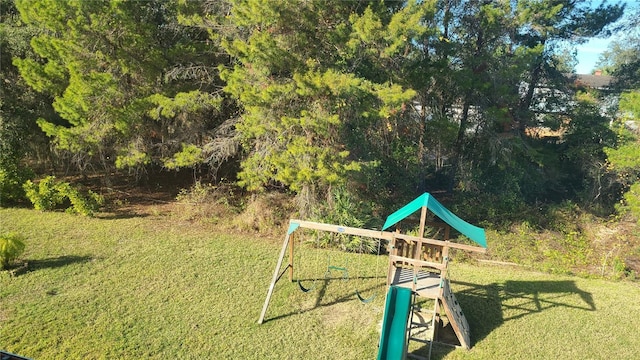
x: 133, y: 86
x: 312, y: 80
x: 622, y: 59
x: 514, y: 83
x: 20, y: 138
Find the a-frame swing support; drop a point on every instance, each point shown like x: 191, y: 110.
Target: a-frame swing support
x: 415, y: 262
x: 277, y: 274
x: 288, y: 243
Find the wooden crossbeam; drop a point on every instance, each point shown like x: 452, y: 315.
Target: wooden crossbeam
x: 440, y: 243
x: 384, y: 235
x: 376, y: 234
x: 416, y: 263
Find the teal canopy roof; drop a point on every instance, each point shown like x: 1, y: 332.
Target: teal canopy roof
x: 472, y: 232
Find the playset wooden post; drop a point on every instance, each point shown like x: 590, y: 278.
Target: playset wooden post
x: 291, y: 246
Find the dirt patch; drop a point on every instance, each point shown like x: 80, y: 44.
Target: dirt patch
x: 4, y: 315
x: 349, y: 314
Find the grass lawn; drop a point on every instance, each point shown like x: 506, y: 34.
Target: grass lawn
x: 156, y: 287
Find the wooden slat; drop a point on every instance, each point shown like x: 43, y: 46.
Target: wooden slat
x: 416, y: 263
x: 423, y: 218
x: 274, y: 279
x: 420, y: 340
x: 377, y: 234
x: 441, y: 243
x: 427, y: 284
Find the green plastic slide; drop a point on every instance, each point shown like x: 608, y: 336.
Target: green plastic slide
x: 393, y: 344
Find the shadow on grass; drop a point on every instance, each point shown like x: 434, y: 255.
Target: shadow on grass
x: 488, y: 306
x: 51, y: 263
x: 320, y: 290
x: 121, y: 215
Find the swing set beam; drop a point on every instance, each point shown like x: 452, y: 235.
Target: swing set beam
x: 384, y: 235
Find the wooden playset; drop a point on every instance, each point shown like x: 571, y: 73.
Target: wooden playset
x: 417, y: 271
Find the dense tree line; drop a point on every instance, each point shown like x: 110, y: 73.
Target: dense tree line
x: 380, y: 100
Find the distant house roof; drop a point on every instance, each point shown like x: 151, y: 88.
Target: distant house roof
x: 599, y: 82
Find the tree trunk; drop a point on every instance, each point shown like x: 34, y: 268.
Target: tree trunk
x: 459, y: 144
x: 523, y: 112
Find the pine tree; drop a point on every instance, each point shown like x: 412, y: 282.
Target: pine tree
x: 134, y: 86
x: 312, y: 80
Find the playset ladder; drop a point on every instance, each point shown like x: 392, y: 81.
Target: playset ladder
x: 421, y: 265
x: 426, y: 328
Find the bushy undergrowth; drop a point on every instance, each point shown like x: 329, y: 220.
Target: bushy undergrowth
x: 265, y: 213
x: 11, y: 246
x: 228, y: 208
x: 11, y: 180
x: 50, y: 194
x: 345, y: 209
x: 209, y: 203
x: 557, y: 238
x: 268, y: 213
x: 575, y: 244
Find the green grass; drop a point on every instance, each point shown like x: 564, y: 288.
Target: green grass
x: 154, y: 287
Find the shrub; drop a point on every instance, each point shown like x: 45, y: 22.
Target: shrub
x: 265, y: 213
x: 215, y: 204
x: 11, y: 246
x: 44, y: 195
x: 346, y: 210
x: 631, y: 202
x: 50, y: 194
x: 11, y: 179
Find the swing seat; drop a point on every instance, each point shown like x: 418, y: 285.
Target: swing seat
x: 363, y: 299
x: 304, y: 289
x: 343, y: 270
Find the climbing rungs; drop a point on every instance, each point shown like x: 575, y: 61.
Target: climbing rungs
x: 415, y: 325
x: 420, y: 340
x: 419, y: 310
x: 421, y: 330
x: 417, y: 357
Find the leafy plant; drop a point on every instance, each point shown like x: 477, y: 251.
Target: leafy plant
x: 346, y: 210
x: 11, y: 179
x: 190, y: 156
x: 11, y: 246
x: 50, y: 194
x: 43, y: 195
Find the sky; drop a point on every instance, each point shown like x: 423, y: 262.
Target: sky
x: 588, y: 53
